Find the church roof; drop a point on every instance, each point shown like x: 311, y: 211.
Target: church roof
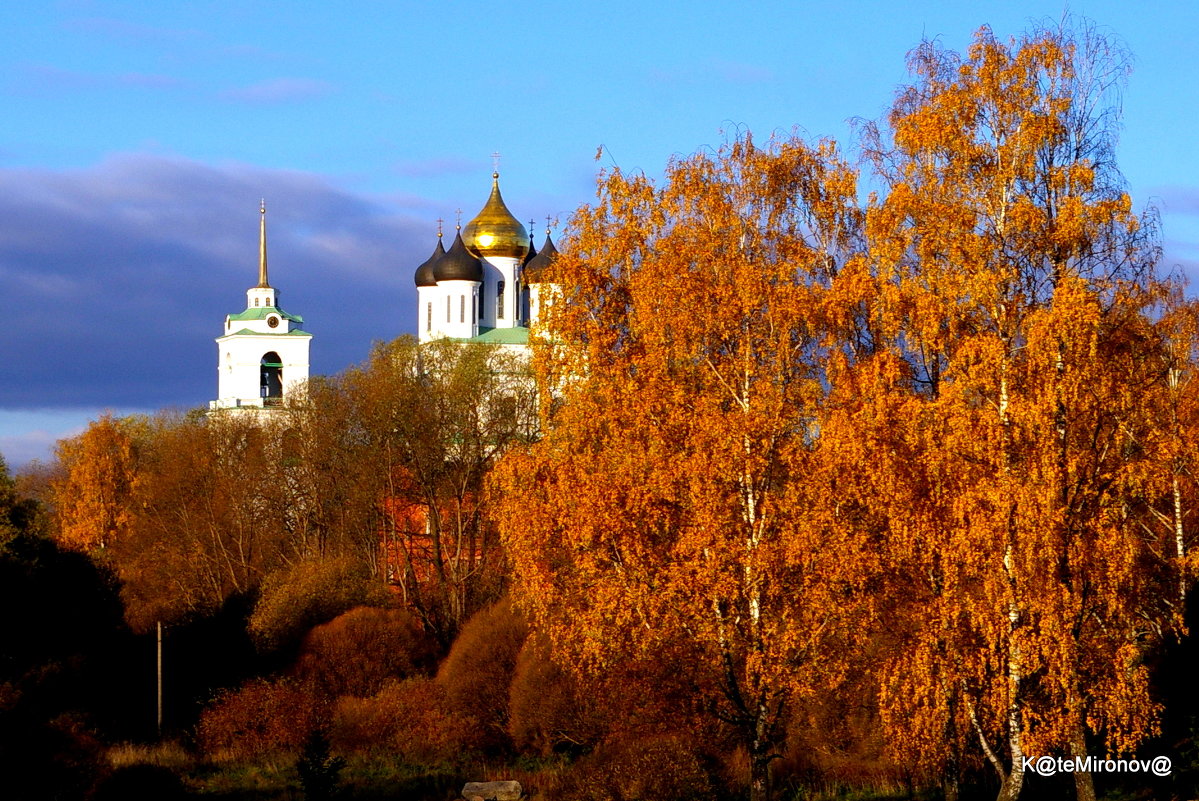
x: 502, y: 336
x: 247, y: 332
x: 458, y: 264
x: 535, y: 272
x: 495, y: 231
x: 261, y: 313
x: 424, y: 273
x: 532, y: 250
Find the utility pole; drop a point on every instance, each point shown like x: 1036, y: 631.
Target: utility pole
x: 160, y: 680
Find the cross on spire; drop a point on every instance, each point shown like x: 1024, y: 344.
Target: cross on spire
x: 458, y: 225
x: 439, y: 222
x: 495, y: 161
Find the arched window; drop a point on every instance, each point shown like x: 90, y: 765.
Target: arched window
x: 462, y: 308
x: 448, y: 311
x: 482, y: 287
x: 429, y: 316
x: 499, y: 300
x: 271, y: 379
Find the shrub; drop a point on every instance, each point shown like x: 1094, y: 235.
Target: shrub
x: 260, y: 717
x: 409, y: 719
x: 547, y: 711
x: 318, y: 770
x: 662, y: 768
x: 357, y: 652
x: 477, y: 673
x: 309, y: 593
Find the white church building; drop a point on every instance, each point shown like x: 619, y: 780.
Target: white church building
x: 263, y: 354
x: 489, y: 287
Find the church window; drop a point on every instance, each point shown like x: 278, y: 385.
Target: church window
x: 482, y: 287
x: 429, y: 316
x: 448, y: 309
x: 462, y: 308
x: 499, y: 300
x: 255, y: 301
x: 271, y: 379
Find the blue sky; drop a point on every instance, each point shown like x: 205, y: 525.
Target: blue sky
x: 138, y: 138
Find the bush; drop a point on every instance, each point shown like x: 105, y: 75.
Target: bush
x: 662, y: 768
x: 547, y: 711
x: 318, y: 770
x: 260, y: 717
x: 309, y: 593
x: 477, y: 673
x: 359, y: 651
x: 409, y: 719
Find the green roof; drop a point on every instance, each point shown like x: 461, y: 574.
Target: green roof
x: 261, y: 312
x: 296, y: 333
x: 502, y: 336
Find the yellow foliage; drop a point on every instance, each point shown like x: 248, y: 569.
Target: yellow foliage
x: 92, y: 498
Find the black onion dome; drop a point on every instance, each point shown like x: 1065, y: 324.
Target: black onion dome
x: 424, y: 273
x: 458, y: 264
x: 532, y: 253
x: 536, y: 270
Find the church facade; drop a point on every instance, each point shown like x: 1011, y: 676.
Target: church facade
x: 262, y: 356
x: 489, y: 287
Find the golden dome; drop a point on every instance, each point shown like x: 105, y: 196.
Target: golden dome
x: 495, y: 231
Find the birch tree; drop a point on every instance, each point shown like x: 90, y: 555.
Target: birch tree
x: 1016, y: 292
x: 676, y: 505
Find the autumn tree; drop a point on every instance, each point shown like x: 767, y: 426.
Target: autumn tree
x: 1003, y: 410
x: 92, y: 497
x: 424, y: 426
x: 209, y: 518
x: 675, y: 509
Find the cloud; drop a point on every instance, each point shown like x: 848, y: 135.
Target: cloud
x: 114, y: 280
x: 21, y: 449
x: 713, y: 71
x: 279, y: 90
x: 131, y: 31
x: 1176, y: 200
x: 39, y: 78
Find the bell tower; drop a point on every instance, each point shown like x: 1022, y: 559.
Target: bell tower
x: 262, y: 356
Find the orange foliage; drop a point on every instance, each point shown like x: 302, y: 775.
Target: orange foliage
x: 93, y: 496
x: 357, y: 652
x: 260, y: 717
x: 411, y: 719
x: 549, y: 709
x: 677, y: 503
x: 477, y: 673
x: 1008, y: 411
x: 661, y: 768
x: 309, y: 593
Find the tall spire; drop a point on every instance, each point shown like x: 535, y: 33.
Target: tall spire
x: 262, y: 280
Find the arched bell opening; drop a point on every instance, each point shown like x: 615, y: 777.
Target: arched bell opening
x: 271, y: 379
